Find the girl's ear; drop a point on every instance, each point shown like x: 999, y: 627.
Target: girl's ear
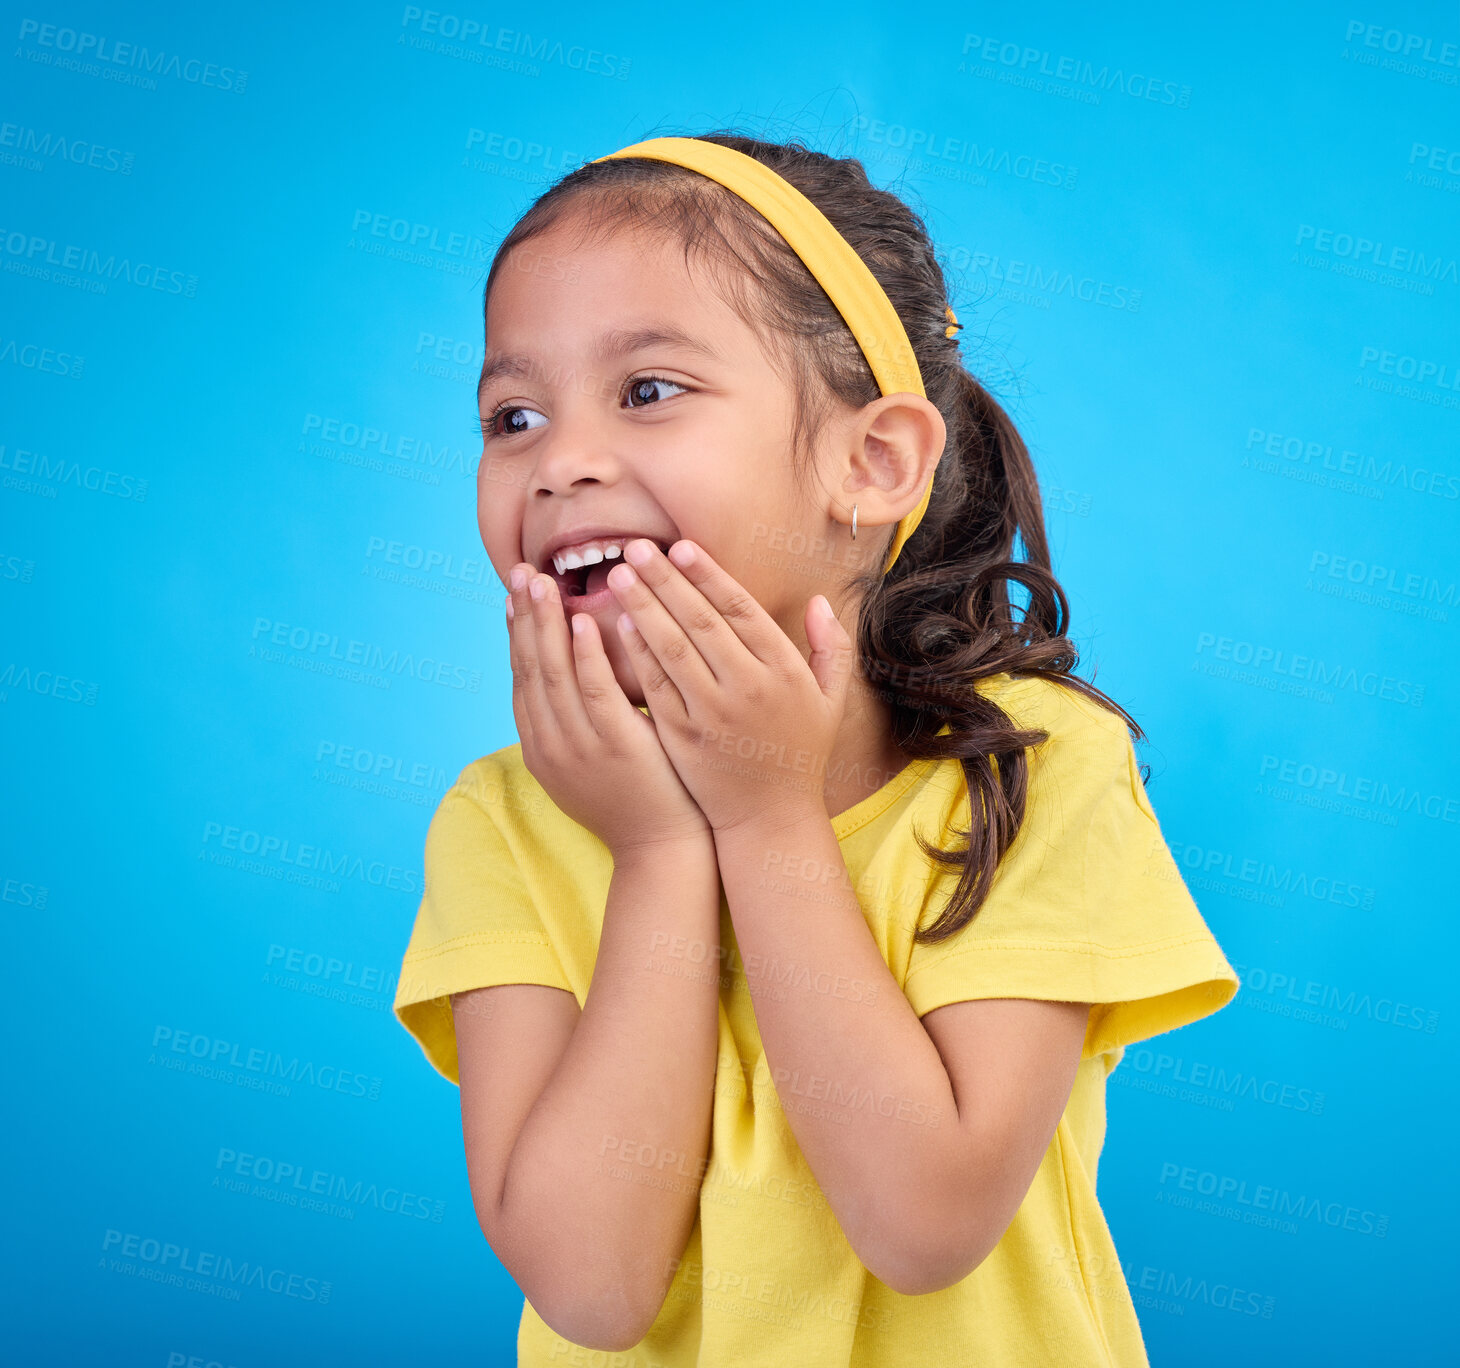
x: 892, y: 449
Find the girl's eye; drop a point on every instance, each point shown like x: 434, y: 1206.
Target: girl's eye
x: 492, y: 428
x: 503, y: 420
x: 642, y: 384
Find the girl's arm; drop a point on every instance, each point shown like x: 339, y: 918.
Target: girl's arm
x: 924, y: 1139
x: 586, y: 1132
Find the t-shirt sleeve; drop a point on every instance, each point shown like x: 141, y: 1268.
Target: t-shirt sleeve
x: 476, y: 927
x: 1088, y: 904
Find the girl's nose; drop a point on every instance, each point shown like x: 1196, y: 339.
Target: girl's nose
x: 571, y: 453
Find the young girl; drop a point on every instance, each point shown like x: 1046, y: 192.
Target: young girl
x: 754, y: 1069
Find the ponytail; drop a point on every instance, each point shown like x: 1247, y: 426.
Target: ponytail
x: 945, y: 619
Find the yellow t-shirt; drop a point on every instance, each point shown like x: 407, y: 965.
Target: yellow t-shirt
x: 1087, y: 906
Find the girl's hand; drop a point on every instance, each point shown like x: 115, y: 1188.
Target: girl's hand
x: 597, y: 756
x: 747, y: 722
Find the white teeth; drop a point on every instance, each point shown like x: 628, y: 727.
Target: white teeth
x: 590, y: 554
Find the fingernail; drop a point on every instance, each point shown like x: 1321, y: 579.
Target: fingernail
x: 621, y: 577
x: 538, y: 589
x: 682, y: 554
x: 519, y: 577
x: 626, y: 623
x: 639, y: 552
x: 510, y: 610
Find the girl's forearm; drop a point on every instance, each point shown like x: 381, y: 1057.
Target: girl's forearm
x: 862, y: 1085
x: 608, y: 1163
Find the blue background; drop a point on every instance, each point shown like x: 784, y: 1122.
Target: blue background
x: 1246, y: 429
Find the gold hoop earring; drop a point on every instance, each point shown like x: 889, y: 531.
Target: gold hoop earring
x: 854, y: 522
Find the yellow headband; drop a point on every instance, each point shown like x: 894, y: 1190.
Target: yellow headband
x: 845, y: 277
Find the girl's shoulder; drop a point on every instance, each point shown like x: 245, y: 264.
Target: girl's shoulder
x: 1087, y: 758
x: 500, y: 790
x: 502, y: 784
x: 1058, y: 707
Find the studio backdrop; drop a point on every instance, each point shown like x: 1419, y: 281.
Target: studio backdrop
x: 1207, y: 261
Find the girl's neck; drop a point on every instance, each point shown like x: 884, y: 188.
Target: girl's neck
x: 864, y: 758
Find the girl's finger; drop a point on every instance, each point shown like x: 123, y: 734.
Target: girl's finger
x: 661, y: 695
x: 517, y: 647
x: 554, y: 679
x: 707, y: 633
x: 676, y: 654
x: 604, y: 701
x: 526, y: 667
x: 743, y: 616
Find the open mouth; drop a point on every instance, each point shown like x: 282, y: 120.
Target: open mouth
x: 589, y: 581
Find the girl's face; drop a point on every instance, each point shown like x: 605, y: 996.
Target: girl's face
x: 620, y: 392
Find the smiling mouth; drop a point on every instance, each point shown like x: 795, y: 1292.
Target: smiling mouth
x: 589, y: 581
x: 574, y: 584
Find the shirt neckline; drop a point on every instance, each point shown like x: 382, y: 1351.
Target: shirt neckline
x: 875, y: 804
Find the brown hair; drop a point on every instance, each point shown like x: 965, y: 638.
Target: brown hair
x: 942, y: 618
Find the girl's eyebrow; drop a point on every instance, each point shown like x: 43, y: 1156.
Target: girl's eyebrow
x: 614, y: 342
